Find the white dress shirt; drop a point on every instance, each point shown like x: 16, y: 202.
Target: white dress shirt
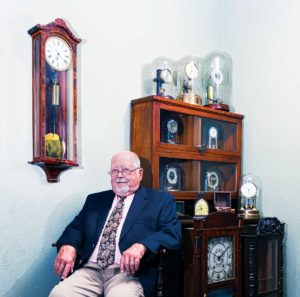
x: 127, y: 202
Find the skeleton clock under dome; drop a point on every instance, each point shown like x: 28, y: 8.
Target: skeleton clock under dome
x: 54, y: 89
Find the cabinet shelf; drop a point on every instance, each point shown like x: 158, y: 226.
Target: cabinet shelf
x: 184, y: 148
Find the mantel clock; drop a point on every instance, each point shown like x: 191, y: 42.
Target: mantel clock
x: 54, y: 91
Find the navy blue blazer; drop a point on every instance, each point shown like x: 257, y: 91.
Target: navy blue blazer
x: 151, y: 220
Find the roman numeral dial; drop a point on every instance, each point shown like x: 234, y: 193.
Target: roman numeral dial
x: 58, y: 53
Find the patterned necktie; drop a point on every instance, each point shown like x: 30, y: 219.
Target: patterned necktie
x: 107, y: 247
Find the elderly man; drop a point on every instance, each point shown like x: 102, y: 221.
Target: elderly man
x: 115, y: 236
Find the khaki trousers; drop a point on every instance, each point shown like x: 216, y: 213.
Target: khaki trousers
x: 91, y: 281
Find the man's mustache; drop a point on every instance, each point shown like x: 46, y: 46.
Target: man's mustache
x: 121, y: 180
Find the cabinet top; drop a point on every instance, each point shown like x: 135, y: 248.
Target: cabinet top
x: 176, y: 103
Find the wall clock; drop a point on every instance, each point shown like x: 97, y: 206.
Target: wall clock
x: 54, y: 97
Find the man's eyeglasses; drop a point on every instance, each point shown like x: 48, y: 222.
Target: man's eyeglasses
x: 124, y: 171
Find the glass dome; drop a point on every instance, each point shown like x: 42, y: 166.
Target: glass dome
x: 163, y: 77
x: 188, y: 80
x: 250, y: 196
x: 217, y: 80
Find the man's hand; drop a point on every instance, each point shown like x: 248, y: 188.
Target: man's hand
x: 64, y: 261
x: 130, y: 260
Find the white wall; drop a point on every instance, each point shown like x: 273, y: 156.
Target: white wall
x: 263, y: 39
x: 120, y: 38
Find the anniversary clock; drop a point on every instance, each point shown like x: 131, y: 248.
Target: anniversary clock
x: 171, y: 128
x: 54, y: 97
x: 172, y: 177
x: 188, y: 80
x: 217, y: 73
x: 212, y: 256
x: 250, y: 194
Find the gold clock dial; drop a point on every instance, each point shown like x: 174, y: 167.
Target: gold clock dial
x: 58, y: 53
x: 201, y: 208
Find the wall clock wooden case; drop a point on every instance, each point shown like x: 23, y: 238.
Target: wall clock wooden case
x: 54, y: 91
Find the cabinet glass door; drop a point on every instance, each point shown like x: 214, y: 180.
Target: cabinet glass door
x: 267, y: 274
x: 184, y: 129
x: 193, y: 175
x: 219, y: 135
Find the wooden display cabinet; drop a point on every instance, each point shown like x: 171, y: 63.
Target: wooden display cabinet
x: 187, y: 149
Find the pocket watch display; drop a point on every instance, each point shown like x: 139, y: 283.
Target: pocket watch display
x: 250, y: 192
x: 220, y: 259
x: 222, y: 201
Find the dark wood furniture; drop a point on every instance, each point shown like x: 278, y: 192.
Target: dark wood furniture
x: 211, y: 252
x: 193, y: 151
x: 181, y: 162
x: 262, y: 258
x: 54, y: 97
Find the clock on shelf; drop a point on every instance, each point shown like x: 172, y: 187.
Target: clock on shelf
x: 188, y: 80
x: 201, y: 207
x: 163, y: 69
x: 217, y: 76
x: 212, y: 256
x: 250, y: 195
x: 54, y: 97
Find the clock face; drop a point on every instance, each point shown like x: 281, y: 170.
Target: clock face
x: 166, y: 75
x: 213, y: 132
x: 172, y: 126
x: 212, y: 179
x: 201, y: 208
x: 191, y: 70
x: 58, y: 53
x: 220, y: 259
x: 217, y: 76
x: 172, y: 176
x: 248, y: 190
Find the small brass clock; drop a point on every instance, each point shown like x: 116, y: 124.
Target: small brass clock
x: 201, y: 208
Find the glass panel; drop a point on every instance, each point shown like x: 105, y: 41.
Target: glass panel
x: 191, y: 175
x: 36, y: 99
x: 178, y: 128
x: 268, y: 266
x: 217, y: 176
x: 223, y: 292
x: 219, y: 135
x: 179, y: 175
x: 70, y: 116
x: 59, y: 138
